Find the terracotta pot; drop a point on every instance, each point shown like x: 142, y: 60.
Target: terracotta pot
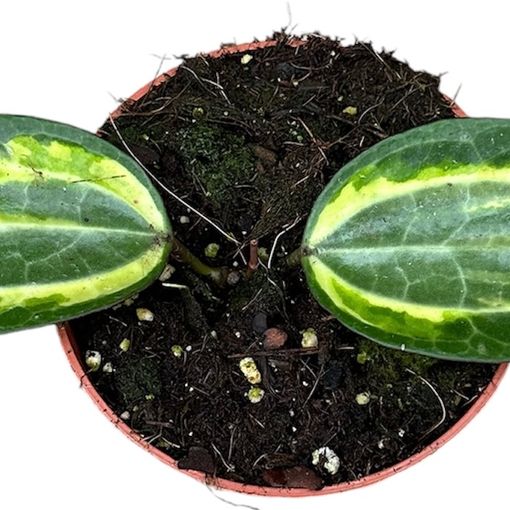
x: 75, y: 358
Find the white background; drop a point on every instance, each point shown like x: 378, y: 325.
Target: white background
x: 65, y: 61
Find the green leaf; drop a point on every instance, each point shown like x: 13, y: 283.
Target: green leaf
x: 409, y: 244
x: 81, y: 226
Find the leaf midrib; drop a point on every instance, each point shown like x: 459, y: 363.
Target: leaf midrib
x: 16, y: 225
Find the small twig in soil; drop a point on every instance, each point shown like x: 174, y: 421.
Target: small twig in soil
x: 252, y: 300
x: 231, y: 444
x: 117, y: 320
x: 314, y: 387
x: 258, y: 422
x: 305, y: 364
x: 168, y: 190
x: 305, y: 178
x: 161, y: 59
x: 440, y: 400
x: 314, y: 140
x: 331, y: 438
x: 228, y: 467
x: 206, y: 378
x: 151, y: 439
x: 284, y: 231
x: 259, y: 459
x: 402, y: 99
x: 369, y: 109
x: 222, y: 90
x: 196, y: 388
x: 378, y: 57
x: 461, y: 395
x: 175, y: 285
x: 165, y: 424
x: 161, y: 109
x: 328, y: 318
x: 201, y: 80
x: 169, y: 443
x: 471, y: 400
x: 281, y: 352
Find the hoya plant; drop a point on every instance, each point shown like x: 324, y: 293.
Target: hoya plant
x: 408, y: 245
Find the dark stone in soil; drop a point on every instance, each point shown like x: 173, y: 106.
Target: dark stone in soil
x: 259, y: 323
x: 334, y: 375
x: 251, y: 146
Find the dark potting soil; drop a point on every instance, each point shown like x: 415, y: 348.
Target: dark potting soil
x: 250, y: 140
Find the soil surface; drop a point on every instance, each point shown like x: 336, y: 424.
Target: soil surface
x: 250, y: 140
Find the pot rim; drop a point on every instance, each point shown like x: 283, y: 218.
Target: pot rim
x: 71, y: 350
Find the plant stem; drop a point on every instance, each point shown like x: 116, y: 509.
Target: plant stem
x: 254, y: 258
x: 293, y: 259
x: 180, y: 252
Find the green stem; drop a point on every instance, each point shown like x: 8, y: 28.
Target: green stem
x: 216, y: 274
x: 293, y: 259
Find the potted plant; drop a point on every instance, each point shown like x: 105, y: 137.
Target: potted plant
x: 345, y: 285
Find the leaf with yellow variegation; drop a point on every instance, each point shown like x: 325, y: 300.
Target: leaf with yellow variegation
x: 81, y: 226
x: 409, y: 244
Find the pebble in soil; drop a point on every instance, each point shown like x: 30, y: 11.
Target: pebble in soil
x: 251, y: 142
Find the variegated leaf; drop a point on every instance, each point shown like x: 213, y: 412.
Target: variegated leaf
x: 81, y: 226
x: 410, y: 243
